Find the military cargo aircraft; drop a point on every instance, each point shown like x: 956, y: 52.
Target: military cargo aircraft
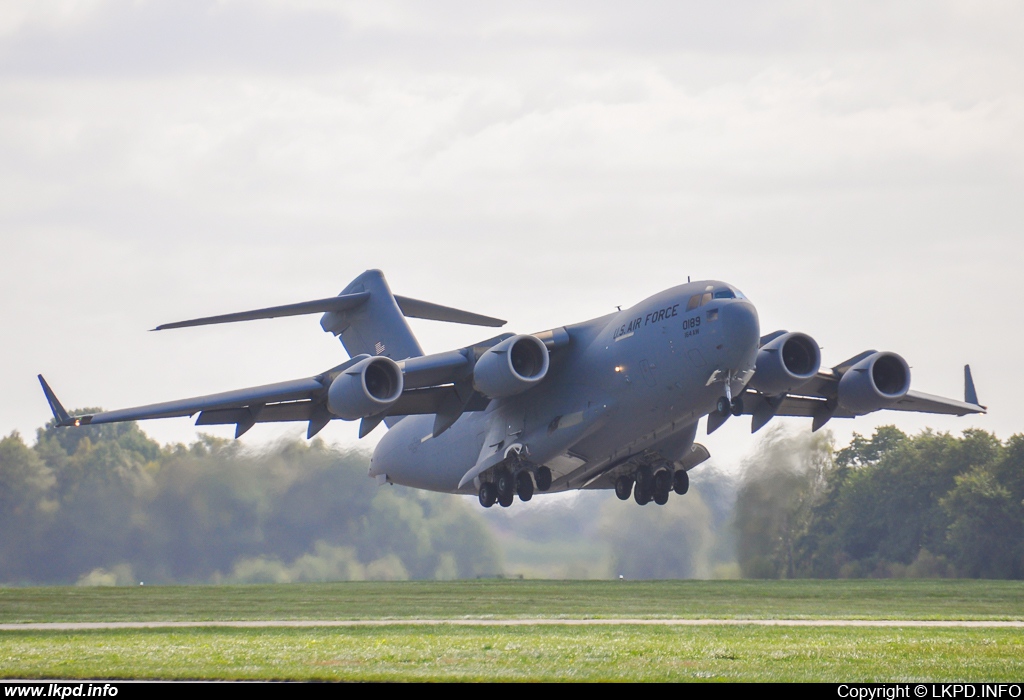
x: 610, y: 403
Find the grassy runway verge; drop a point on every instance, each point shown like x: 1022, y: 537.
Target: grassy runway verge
x: 846, y: 599
x: 570, y: 652
x: 447, y: 653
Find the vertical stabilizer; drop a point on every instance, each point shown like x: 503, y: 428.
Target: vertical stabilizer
x: 376, y: 327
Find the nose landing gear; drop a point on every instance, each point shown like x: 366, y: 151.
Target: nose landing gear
x: 726, y: 407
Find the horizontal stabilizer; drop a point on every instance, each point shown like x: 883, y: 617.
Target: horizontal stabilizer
x: 342, y: 302
x: 414, y: 308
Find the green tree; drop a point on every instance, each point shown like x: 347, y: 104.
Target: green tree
x: 781, y: 486
x: 986, y: 510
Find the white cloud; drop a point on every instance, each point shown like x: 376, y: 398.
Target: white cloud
x: 855, y: 168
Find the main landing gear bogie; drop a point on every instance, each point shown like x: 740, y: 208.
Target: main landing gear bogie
x: 648, y: 485
x: 508, y: 484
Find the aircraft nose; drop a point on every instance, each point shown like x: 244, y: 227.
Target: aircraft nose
x: 742, y: 328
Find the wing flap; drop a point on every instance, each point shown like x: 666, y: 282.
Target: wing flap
x: 272, y: 413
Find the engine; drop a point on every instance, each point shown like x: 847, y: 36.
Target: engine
x: 874, y: 382
x: 365, y: 389
x: 785, y: 364
x: 511, y: 367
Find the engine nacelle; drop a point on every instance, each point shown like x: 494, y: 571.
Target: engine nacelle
x: 511, y: 367
x: 365, y: 389
x: 785, y: 364
x: 874, y: 382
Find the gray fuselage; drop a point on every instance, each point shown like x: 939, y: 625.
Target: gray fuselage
x: 629, y: 383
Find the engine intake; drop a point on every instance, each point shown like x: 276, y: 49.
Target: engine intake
x: 874, y: 382
x: 785, y: 364
x: 511, y: 367
x: 365, y: 389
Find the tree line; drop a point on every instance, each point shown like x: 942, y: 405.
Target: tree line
x: 107, y: 504
x: 892, y: 505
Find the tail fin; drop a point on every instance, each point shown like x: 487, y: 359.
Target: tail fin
x: 375, y: 327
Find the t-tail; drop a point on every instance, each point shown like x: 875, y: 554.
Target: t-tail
x: 374, y: 326
x: 366, y: 316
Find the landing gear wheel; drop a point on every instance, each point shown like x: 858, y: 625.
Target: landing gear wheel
x: 737, y: 405
x: 644, y: 479
x: 662, y: 485
x: 543, y: 479
x: 488, y: 494
x: 641, y: 496
x: 644, y: 485
x: 524, y: 485
x: 506, y: 489
x: 723, y: 408
x: 623, y: 488
x: 681, y: 482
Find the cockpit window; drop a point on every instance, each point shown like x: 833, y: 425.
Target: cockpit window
x: 698, y: 300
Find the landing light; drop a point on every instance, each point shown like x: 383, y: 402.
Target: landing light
x: 619, y: 368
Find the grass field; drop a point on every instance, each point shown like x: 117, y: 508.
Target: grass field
x: 449, y: 652
x: 846, y: 599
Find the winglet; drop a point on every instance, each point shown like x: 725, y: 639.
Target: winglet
x: 970, y: 393
x: 59, y: 414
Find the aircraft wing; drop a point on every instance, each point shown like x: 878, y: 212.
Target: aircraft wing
x: 440, y: 384
x: 819, y: 399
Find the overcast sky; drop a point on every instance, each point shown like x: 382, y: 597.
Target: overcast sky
x: 855, y: 168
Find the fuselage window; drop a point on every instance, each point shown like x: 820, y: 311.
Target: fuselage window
x: 705, y: 299
x: 694, y: 302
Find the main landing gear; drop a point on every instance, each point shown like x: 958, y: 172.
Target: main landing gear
x: 648, y: 484
x: 508, y: 484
